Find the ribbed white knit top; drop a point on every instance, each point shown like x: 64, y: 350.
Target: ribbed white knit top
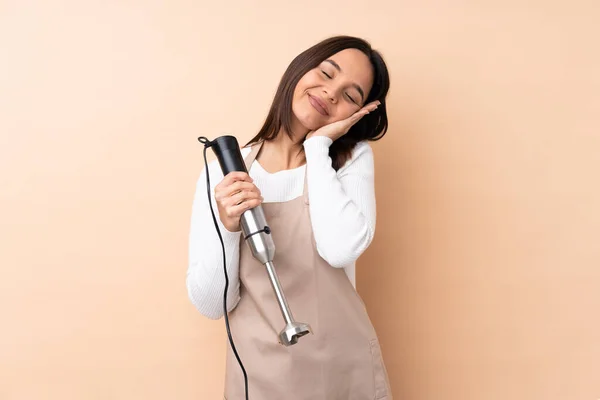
x: 342, y: 210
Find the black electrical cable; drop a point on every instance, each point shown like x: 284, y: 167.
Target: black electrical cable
x: 207, y: 143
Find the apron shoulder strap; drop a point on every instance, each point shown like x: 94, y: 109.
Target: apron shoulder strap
x: 249, y: 159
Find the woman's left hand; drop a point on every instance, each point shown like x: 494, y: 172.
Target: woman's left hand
x: 338, y: 129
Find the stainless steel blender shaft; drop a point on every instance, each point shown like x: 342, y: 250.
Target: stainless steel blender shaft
x: 258, y: 236
x: 283, y: 305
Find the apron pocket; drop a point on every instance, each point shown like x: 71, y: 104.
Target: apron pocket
x: 379, y: 374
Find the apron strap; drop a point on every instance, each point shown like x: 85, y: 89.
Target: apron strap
x: 305, y: 189
x: 252, y: 155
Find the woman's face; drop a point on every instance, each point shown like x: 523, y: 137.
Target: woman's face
x: 334, y: 90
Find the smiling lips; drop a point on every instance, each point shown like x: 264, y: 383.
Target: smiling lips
x: 318, y: 105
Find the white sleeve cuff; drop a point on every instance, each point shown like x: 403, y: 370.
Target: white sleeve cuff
x: 317, y: 142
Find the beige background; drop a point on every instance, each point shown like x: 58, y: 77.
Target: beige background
x: 483, y: 280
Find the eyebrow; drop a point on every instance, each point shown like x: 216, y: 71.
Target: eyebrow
x: 360, y: 91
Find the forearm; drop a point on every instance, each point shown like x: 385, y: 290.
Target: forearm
x: 342, y: 204
x: 205, y: 278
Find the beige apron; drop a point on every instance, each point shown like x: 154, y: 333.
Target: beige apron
x: 340, y: 361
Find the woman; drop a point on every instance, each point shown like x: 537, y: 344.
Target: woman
x: 311, y: 168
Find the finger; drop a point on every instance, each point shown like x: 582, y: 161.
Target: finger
x: 237, y: 210
x: 230, y: 192
x: 235, y: 187
x: 244, y: 195
x: 372, y: 106
x: 234, y: 176
x: 358, y: 115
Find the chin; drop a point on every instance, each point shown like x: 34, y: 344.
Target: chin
x: 308, y: 120
x: 310, y: 125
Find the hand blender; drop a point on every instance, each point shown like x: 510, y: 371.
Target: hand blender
x: 257, y: 235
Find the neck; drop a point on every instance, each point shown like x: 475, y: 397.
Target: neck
x: 284, y: 152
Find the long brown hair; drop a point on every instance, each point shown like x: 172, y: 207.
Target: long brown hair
x: 372, y: 126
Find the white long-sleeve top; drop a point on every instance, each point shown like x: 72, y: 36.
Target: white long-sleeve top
x: 342, y: 209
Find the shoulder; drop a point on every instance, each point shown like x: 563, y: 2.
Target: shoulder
x: 362, y: 149
x: 246, y: 150
x: 362, y: 159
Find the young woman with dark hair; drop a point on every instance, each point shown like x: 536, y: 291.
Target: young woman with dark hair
x: 311, y: 167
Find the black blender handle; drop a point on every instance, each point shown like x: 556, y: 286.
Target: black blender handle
x: 228, y: 153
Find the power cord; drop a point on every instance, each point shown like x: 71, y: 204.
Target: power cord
x: 207, y: 143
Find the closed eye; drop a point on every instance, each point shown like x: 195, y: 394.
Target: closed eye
x: 351, y: 99
x: 347, y: 95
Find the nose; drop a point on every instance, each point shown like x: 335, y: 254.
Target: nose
x: 331, y: 94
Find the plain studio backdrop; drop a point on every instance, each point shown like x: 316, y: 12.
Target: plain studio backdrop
x: 483, y: 280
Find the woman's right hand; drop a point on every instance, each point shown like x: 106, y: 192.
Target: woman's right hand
x: 235, y: 194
